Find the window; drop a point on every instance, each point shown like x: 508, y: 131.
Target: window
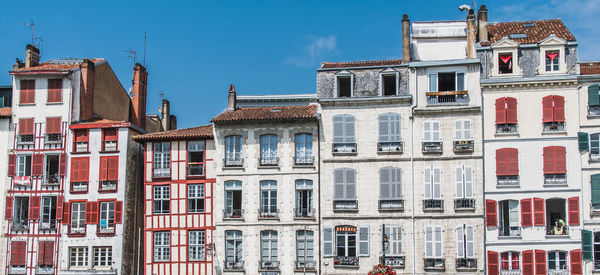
x: 508, y: 225
x: 305, y: 254
x: 465, y: 241
x: 268, y: 199
x: 304, y: 196
x: 109, y: 173
x: 433, y: 241
x: 345, y: 237
x: 593, y: 99
x: 509, y: 260
x: 162, y: 249
x: 507, y: 166
x: 432, y: 188
x: 431, y: 131
x: 556, y: 217
x: 233, y: 199
x: 389, y: 84
x: 48, y: 214
x: 161, y: 199
x: 557, y: 260
x: 18, y: 254
x: 233, y: 249
x: 196, y: 245
x: 26, y: 130
x: 555, y: 165
x: 553, y: 113
x: 27, y: 92
x: 596, y: 244
x: 390, y: 139
x: 506, y: 115
x: 595, y: 146
x: 343, y: 134
x: 51, y: 170
x: 80, y: 174
x: 107, y: 217
x: 464, y: 187
x: 595, y: 193
x: 552, y: 59
x: 394, y: 237
x: 390, y: 186
x: 447, y: 87
x: 344, y: 188
x: 462, y: 129
x: 45, y: 255
x: 162, y: 159
x: 55, y: 90
x: 304, y: 153
x: 78, y: 257
x: 80, y: 141
x: 102, y: 257
x: 195, y: 197
x: 344, y: 86
x: 53, y: 129
x: 77, y: 225
x: 23, y: 165
x: 21, y: 213
x: 268, y: 247
x: 109, y: 139
x: 195, y: 162
x: 233, y: 151
x: 268, y: 150
x: 505, y: 63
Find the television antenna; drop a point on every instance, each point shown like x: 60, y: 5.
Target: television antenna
x: 31, y: 25
x: 131, y: 53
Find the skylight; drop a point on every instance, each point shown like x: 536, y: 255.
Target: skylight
x: 517, y: 35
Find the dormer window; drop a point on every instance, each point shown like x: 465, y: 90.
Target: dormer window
x: 552, y: 59
x: 388, y: 82
x: 344, y: 84
x: 447, y: 88
x: 505, y: 63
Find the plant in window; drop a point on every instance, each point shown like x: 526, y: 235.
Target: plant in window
x: 382, y: 270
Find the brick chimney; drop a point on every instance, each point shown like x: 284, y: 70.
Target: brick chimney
x: 165, y: 115
x: 86, y: 98
x: 231, y: 98
x: 138, y: 98
x: 18, y: 64
x: 32, y: 56
x: 482, y: 23
x: 471, y: 34
x: 173, y: 119
x: 405, y: 39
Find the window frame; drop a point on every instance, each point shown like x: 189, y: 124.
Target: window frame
x: 234, y: 147
x: 81, y: 252
x: 80, y: 137
x: 237, y: 239
x: 557, y: 259
x: 23, y: 172
x: 301, y: 186
x: 434, y: 229
x: 466, y: 171
x: 344, y: 74
x: 161, y: 246
x: 199, y: 189
x: 431, y: 132
x: 196, y: 149
x: 81, y: 217
x: 386, y: 73
x: 107, y: 264
x: 233, y: 186
x: 510, y: 261
x: 307, y: 241
x: 431, y: 180
x: 107, y: 212
x: 346, y: 235
x: 24, y: 135
x: 271, y: 238
x: 108, y: 138
x: 161, y: 160
x: 52, y: 222
x: 394, y: 240
x: 269, y: 197
x: 268, y: 149
x: 303, y: 150
x: 198, y: 244
x: 163, y: 194
x: 54, y: 89
x: 460, y: 133
x: 346, y: 183
x: 81, y: 179
x: 393, y: 123
x: 393, y: 184
x: 25, y: 93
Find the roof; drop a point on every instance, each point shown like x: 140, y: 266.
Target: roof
x: 589, y: 68
x: 368, y: 63
x: 58, y: 65
x: 268, y: 113
x: 205, y: 131
x: 100, y: 123
x: 5, y: 112
x: 535, y: 31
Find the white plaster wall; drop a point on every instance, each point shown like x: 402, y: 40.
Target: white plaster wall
x: 6, y: 138
x: 40, y: 110
x: 429, y: 49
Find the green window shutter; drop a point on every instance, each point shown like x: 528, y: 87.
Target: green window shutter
x: 593, y: 97
x: 595, y: 181
x: 587, y: 245
x: 584, y: 141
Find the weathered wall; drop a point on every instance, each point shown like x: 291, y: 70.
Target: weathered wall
x: 133, y: 207
x: 366, y: 82
x: 529, y: 60
x: 110, y: 98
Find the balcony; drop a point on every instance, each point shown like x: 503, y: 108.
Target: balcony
x: 433, y: 204
x: 509, y: 231
x: 550, y: 127
x: 233, y: 214
x: 77, y: 230
x: 344, y: 148
x: 234, y: 265
x: 466, y: 263
x: 506, y: 129
x: 432, y: 147
x: 270, y: 265
x: 51, y: 225
x: 435, y: 263
x: 464, y: 204
x: 393, y: 261
x: 266, y: 214
x: 269, y: 161
x: 26, y: 139
x: 17, y: 269
x: 44, y: 269
x: 20, y: 225
x: 51, y: 180
x: 555, y: 179
x: 53, y: 138
x: 234, y: 162
x: 557, y: 231
x: 106, y: 230
x: 345, y: 205
x: 161, y: 172
x: 390, y: 147
x: 308, y: 265
x: 391, y: 205
x: 559, y: 272
x: 195, y: 169
x: 343, y: 261
x: 304, y: 213
x: 508, y: 181
x: 447, y: 98
x: 304, y: 161
x: 108, y: 185
x: 79, y: 186
x: 464, y: 146
x: 510, y: 272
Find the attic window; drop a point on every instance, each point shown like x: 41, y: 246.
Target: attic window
x: 505, y: 63
x: 344, y: 85
x: 517, y: 35
x: 276, y: 110
x: 389, y: 84
x: 528, y: 25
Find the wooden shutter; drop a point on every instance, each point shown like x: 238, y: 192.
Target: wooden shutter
x: 338, y: 129
x: 59, y: 207
x: 493, y: 266
x: 583, y: 140
x: 55, y: 90
x: 65, y: 214
x: 560, y: 156
x: 75, y: 174
x: 501, y: 162
x: 40, y: 256
x: 103, y: 168
x: 538, y: 212
x: 548, y: 108
x: 37, y: 165
x: 62, y: 166
x: 8, y: 211
x: 91, y: 212
x: 491, y: 213
x: 53, y: 125
x: 587, y: 244
x: 528, y: 262
x: 109, y: 134
x: 573, y: 207
x: 118, y: 211
x: 526, y: 215
x: 593, y: 96
x: 384, y: 128
x: 18, y: 251
x: 559, y: 108
x: 512, y: 161
x: 84, y: 169
x: 460, y: 242
x: 45, y: 253
x: 12, y: 165
x: 549, y: 161
x: 363, y: 241
x: 511, y: 110
x: 540, y: 262
x: 34, y: 208
x: 595, y: 182
x: 27, y: 92
x: 327, y: 241
x: 113, y: 168
x: 459, y: 182
x: 576, y: 262
x: 26, y: 126
x: 350, y: 132
x: 501, y: 110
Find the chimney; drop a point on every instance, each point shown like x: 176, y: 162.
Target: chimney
x: 32, y: 56
x: 405, y: 39
x: 173, y: 121
x: 165, y: 115
x: 471, y: 34
x: 231, y: 99
x: 18, y: 64
x: 86, y: 97
x: 482, y: 23
x: 138, y: 97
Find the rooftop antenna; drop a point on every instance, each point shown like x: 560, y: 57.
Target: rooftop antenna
x: 144, y: 49
x: 38, y: 43
x: 162, y: 95
x: 31, y: 25
x: 131, y: 54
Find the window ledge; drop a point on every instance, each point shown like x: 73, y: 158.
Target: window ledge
x: 509, y: 237
x: 153, y: 213
x: 464, y: 209
x: 26, y: 104
x: 269, y: 167
x: 389, y: 152
x: 554, y: 132
x: 347, y: 266
x: 54, y: 103
x: 433, y: 210
x: 304, y: 218
x: 556, y: 185
x: 507, y: 186
x: 344, y: 153
x: 105, y: 234
x: 80, y: 153
x: 108, y: 152
x: 76, y: 235
x: 567, y: 236
x: 234, y: 219
x: 268, y: 218
x: 167, y: 178
x: 594, y: 116
x: 233, y: 168
x: 107, y: 191
x: 78, y: 192
x: 234, y: 270
x: 312, y: 166
x: 195, y: 177
x: 345, y: 210
x: 506, y: 134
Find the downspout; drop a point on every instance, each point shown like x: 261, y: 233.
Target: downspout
x: 412, y: 169
x: 319, y: 185
x: 483, y: 169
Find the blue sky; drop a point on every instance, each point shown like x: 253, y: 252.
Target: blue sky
x: 196, y: 49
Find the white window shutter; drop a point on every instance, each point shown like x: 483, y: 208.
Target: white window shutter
x: 433, y: 82
x: 384, y: 183
x: 458, y: 130
x: 350, y: 184
x: 428, y: 241
x: 350, y: 129
x: 427, y: 131
x: 437, y: 183
x: 460, y: 242
x: 459, y: 182
x: 396, y: 183
x: 460, y: 81
x: 427, y: 182
x: 467, y: 129
x: 338, y: 184
x: 470, y: 237
x: 438, y: 241
x: 388, y: 233
x: 395, y: 127
x: 327, y: 241
x: 397, y: 237
x: 338, y: 129
x: 468, y: 182
x: 363, y: 241
x: 384, y: 132
x: 436, y: 130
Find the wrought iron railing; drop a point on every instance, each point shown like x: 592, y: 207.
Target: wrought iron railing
x: 309, y: 265
x: 464, y: 203
x: 269, y: 161
x: 464, y: 145
x: 269, y: 264
x: 264, y: 213
x: 345, y: 204
x: 435, y: 263
x: 345, y: 261
x: 432, y: 146
x: 308, y: 213
x: 391, y: 204
x: 390, y: 147
x: 233, y: 213
x: 435, y: 204
x: 306, y: 160
x: 341, y: 148
x: 466, y: 263
x: 195, y: 169
x: 512, y: 180
x: 509, y: 231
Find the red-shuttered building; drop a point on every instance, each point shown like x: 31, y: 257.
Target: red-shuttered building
x: 179, y: 179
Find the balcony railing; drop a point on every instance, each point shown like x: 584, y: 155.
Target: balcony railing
x: 553, y: 230
x: 464, y: 203
x: 233, y: 214
x: 20, y: 225
x: 394, y: 261
x: 81, y: 146
x: 509, y: 231
x: 79, y: 186
x: 447, y: 98
x: 268, y: 213
x: 435, y: 263
x: 53, y: 138
x: 345, y: 261
x: 51, y: 180
x: 508, y: 181
x: 44, y: 269
x: 77, y: 230
x: 269, y: 264
x: 350, y: 205
x: 48, y: 225
x: 594, y: 110
x: 234, y: 162
x: 269, y: 161
x: 195, y: 169
x: 506, y: 128
x: 433, y: 204
x: 17, y: 269
x: 110, y: 145
x: 390, y: 147
x: 391, y: 205
x: 234, y: 265
x: 344, y: 148
x: 554, y: 126
x: 432, y: 147
x: 309, y: 265
x: 161, y: 172
x: 461, y: 146
x: 108, y: 185
x: 510, y: 272
x: 106, y: 230
x: 559, y: 272
x: 555, y: 179
x: 466, y: 263
x: 26, y: 139
x: 304, y: 213
x: 306, y: 160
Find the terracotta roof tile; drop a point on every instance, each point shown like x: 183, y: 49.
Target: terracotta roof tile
x: 269, y: 113
x: 5, y: 112
x: 56, y: 65
x: 369, y: 63
x: 539, y: 30
x: 589, y: 68
x: 205, y: 132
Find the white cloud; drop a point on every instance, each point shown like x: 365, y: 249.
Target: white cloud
x: 314, y: 51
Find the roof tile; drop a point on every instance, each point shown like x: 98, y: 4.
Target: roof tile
x: 5, y: 112
x: 268, y: 113
x: 55, y: 65
x: 205, y: 131
x: 535, y: 32
x: 589, y: 68
x: 368, y: 63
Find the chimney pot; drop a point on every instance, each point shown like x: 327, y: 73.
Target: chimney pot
x: 471, y: 34
x: 231, y: 98
x: 32, y: 56
x: 405, y: 38
x: 86, y: 99
x: 138, y: 98
x: 165, y: 115
x: 482, y: 23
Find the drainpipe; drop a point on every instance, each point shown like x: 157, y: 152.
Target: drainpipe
x: 483, y: 170
x: 319, y: 185
x: 412, y: 169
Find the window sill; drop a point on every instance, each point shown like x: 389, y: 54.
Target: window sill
x: 76, y: 235
x: 108, y: 152
x: 194, y: 212
x: 234, y: 270
x: 78, y: 192
x: 346, y: 210
x: 464, y: 209
x: 433, y: 209
x: 167, y: 178
x: 107, y: 191
x: 52, y: 142
x: 234, y: 219
x: 346, y: 266
x: 105, y: 234
x: 54, y: 103
x: 564, y: 132
x: 556, y: 185
x: 344, y: 153
x: 594, y: 116
x: 507, y: 186
x: 509, y: 237
x: 194, y: 177
x: 27, y: 104
x: 233, y: 168
x: 269, y: 167
x: 566, y: 236
x: 391, y: 152
x: 268, y: 218
x: 304, y: 218
x: 506, y: 134
x: 296, y: 166
x: 80, y: 153
x: 154, y: 213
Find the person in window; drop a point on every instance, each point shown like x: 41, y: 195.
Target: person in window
x: 559, y: 227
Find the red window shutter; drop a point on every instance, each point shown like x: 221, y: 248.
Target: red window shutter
x: 491, y: 213
x: 12, y: 165
x: 113, y: 168
x: 26, y: 126
x: 548, y: 109
x: 501, y: 162
x: 27, y: 92
x: 512, y: 161
x: 41, y: 253
x: 549, y: 161
x: 37, y: 165
x: 511, y: 110
x: 53, y: 125
x: 501, y: 110
x: 493, y: 267
x: 94, y: 212
x: 84, y: 169
x: 109, y: 134
x: 526, y: 215
x: 34, y: 208
x: 62, y: 166
x: 540, y: 262
x: 118, y: 211
x: 59, y: 207
x: 49, y: 253
x: 103, y: 168
x: 573, y: 207
x: 528, y: 262
x: 91, y: 212
x: 18, y: 252
x: 538, y: 212
x: 560, y: 158
x: 55, y: 90
x: 66, y: 213
x: 576, y: 262
x: 559, y: 108
x: 75, y: 174
x: 8, y: 211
